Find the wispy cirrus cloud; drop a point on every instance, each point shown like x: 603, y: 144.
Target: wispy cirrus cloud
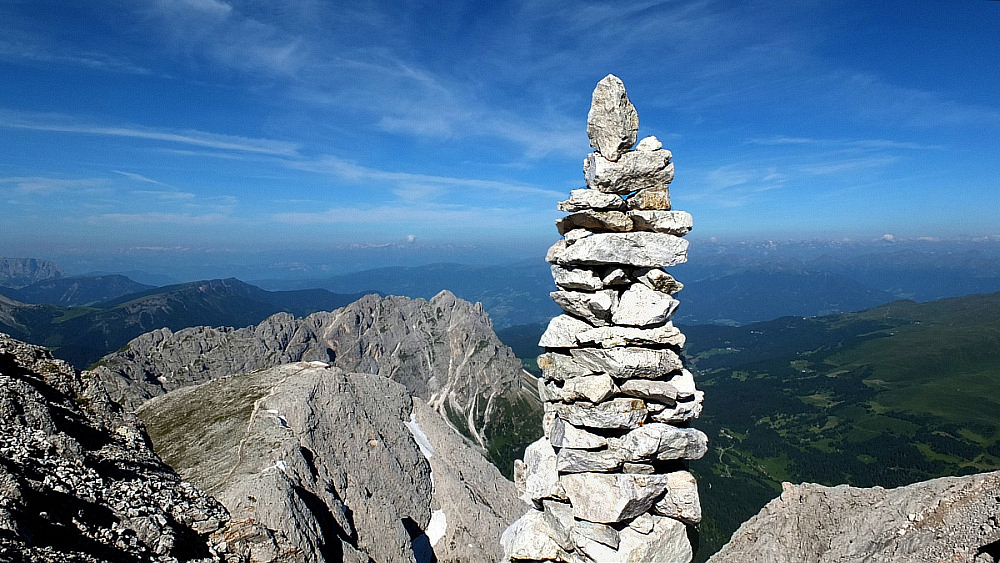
x: 65, y: 124
x: 350, y: 171
x: 186, y: 219
x: 41, y: 185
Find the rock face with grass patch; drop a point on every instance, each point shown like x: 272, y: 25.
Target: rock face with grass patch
x: 329, y: 466
x: 442, y: 350
x: 618, y: 400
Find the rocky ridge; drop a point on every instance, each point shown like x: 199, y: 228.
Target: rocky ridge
x: 954, y: 519
x: 19, y: 272
x: 608, y: 481
x: 443, y: 351
x: 78, y: 479
x: 316, y: 464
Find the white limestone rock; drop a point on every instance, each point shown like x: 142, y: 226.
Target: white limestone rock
x: 681, y: 501
x: 612, y: 122
x: 682, y: 411
x: 655, y: 198
x: 612, y: 497
x: 684, y: 383
x: 641, y: 248
x: 537, y: 535
x: 650, y: 390
x: 594, y: 307
x: 582, y: 279
x: 574, y: 235
x: 635, y: 170
x: 565, y: 435
x: 562, y: 331
x: 667, y: 541
x: 560, y: 367
x: 603, y: 534
x: 677, y: 223
x: 541, y: 480
x: 641, y: 306
x: 584, y: 199
x: 618, y: 413
x: 595, y: 221
x: 612, y: 336
x: 642, y: 523
x: 662, y: 442
x: 592, y: 388
x: 628, y: 362
x: 649, y: 144
x: 615, y: 277
x: 569, y: 460
x: 658, y: 280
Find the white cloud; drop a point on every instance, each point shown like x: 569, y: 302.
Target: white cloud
x: 64, y: 124
x: 161, y: 218
x: 428, y: 183
x: 44, y: 186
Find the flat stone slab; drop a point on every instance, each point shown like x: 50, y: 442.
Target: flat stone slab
x: 662, y: 442
x: 584, y: 198
x: 582, y: 279
x: 613, y: 336
x: 560, y: 367
x: 565, y: 435
x: 677, y: 223
x: 630, y: 362
x: 595, y: 221
x: 620, y: 413
x: 641, y: 248
x: 635, y: 170
x: 612, y: 497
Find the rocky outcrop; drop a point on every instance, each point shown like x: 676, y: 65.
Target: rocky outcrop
x: 442, y: 350
x: 954, y: 519
x: 78, y: 480
x: 19, y: 272
x: 608, y: 481
x: 316, y: 464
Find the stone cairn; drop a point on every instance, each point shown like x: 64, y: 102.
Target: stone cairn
x: 608, y: 481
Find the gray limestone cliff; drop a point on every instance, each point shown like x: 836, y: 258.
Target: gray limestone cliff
x: 19, y: 272
x: 951, y: 519
x: 317, y: 464
x: 443, y: 350
x: 78, y: 479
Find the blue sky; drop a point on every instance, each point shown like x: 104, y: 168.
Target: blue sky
x: 248, y: 132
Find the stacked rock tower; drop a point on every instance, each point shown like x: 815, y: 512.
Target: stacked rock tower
x: 608, y: 481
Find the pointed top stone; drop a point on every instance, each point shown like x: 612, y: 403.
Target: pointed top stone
x: 612, y: 123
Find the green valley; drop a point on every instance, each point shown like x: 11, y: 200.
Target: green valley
x: 888, y: 396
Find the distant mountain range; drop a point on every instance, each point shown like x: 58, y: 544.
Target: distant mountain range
x: 512, y: 293
x: 81, y: 335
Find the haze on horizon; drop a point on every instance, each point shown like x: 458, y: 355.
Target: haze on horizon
x: 231, y: 132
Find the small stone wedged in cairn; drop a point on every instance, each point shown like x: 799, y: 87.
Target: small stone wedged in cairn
x: 594, y: 307
x: 653, y: 199
x: 582, y: 279
x: 586, y: 199
x: 608, y: 481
